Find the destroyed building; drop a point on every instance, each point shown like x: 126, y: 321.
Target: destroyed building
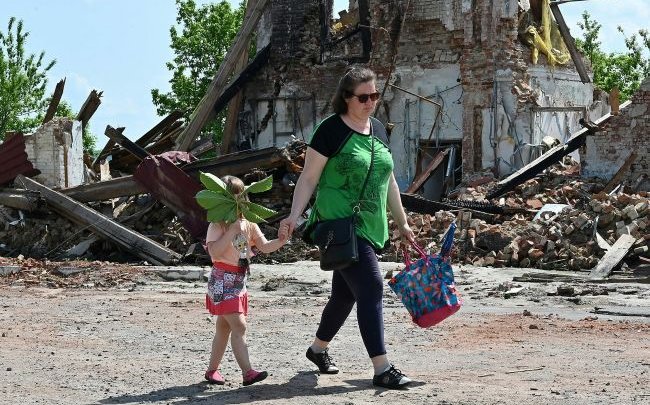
x: 480, y: 100
x: 624, y: 142
x: 489, y: 80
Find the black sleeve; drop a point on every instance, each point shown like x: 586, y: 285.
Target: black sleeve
x: 329, y: 136
x: 379, y: 131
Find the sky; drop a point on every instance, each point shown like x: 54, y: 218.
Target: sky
x: 120, y: 47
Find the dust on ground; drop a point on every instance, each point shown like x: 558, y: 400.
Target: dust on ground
x: 146, y: 340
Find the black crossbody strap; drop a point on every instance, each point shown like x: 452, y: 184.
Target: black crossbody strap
x: 357, y: 206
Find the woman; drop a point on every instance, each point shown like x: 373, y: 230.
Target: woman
x: 337, y: 161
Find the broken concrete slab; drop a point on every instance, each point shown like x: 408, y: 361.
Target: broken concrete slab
x: 613, y: 257
x: 7, y: 270
x: 69, y: 271
x: 185, y: 273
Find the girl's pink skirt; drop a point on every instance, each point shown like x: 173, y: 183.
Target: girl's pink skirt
x: 226, y: 290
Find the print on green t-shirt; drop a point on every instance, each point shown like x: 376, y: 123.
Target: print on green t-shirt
x: 341, y: 182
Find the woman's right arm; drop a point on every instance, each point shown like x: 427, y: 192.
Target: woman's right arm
x: 307, y: 182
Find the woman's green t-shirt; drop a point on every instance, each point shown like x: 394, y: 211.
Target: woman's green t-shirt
x: 343, y: 177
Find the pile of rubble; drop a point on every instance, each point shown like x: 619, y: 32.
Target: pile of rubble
x: 554, y: 221
x: 563, y: 224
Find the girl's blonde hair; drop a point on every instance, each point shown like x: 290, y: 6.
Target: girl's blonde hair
x: 234, y: 184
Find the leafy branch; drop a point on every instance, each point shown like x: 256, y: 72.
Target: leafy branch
x: 224, y: 206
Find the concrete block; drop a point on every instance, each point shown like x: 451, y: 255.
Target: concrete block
x: 7, y: 270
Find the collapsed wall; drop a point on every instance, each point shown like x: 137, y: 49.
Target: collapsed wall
x: 56, y: 149
x: 625, y: 136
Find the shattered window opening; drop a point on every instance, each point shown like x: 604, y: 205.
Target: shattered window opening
x: 347, y: 37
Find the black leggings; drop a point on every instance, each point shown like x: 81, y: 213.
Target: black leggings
x: 361, y: 283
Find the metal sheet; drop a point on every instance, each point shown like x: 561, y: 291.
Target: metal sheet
x: 14, y: 160
x: 174, y: 188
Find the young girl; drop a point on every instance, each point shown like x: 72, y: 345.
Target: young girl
x: 229, y: 246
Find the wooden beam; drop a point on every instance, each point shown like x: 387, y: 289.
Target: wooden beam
x: 105, y: 190
x: 424, y: 176
x: 116, y: 136
x: 54, y: 102
x: 230, y: 128
x: 612, y: 258
x: 160, y: 128
x: 620, y: 173
x: 236, y: 84
x: 89, y: 107
x: 202, y: 112
x: 236, y: 164
x: 570, y: 43
x: 103, y: 226
x: 615, y: 100
x: 164, y: 125
x: 25, y: 200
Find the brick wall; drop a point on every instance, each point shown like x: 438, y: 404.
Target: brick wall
x: 628, y: 132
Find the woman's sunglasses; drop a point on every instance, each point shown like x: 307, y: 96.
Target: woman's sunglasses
x: 364, y: 97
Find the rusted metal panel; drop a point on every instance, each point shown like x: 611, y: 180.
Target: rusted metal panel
x: 14, y: 160
x: 174, y: 188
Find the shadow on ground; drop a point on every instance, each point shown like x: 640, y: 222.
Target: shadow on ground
x: 303, y: 384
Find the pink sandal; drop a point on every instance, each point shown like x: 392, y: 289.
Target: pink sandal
x: 214, y: 377
x: 253, y: 376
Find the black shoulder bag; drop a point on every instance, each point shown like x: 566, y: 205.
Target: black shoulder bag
x: 336, y: 238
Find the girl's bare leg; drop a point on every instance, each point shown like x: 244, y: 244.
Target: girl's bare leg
x: 219, y: 342
x: 237, y: 323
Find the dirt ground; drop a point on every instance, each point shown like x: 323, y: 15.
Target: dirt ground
x: 147, y: 341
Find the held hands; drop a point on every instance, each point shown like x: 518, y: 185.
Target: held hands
x: 283, y: 232
x: 286, y: 228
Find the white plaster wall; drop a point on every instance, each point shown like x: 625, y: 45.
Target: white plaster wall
x: 264, y: 27
x: 55, y: 147
x: 558, y: 88
x: 75, y: 156
x: 519, y: 131
x: 414, y: 118
x: 285, y: 126
x: 515, y: 139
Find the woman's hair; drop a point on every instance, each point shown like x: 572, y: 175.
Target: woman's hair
x: 350, y: 80
x: 234, y: 184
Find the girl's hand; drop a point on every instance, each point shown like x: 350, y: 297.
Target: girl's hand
x: 283, y: 232
x: 286, y: 225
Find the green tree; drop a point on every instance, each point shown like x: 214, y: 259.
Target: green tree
x: 22, y: 82
x: 89, y: 140
x: 625, y: 70
x: 200, y: 42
